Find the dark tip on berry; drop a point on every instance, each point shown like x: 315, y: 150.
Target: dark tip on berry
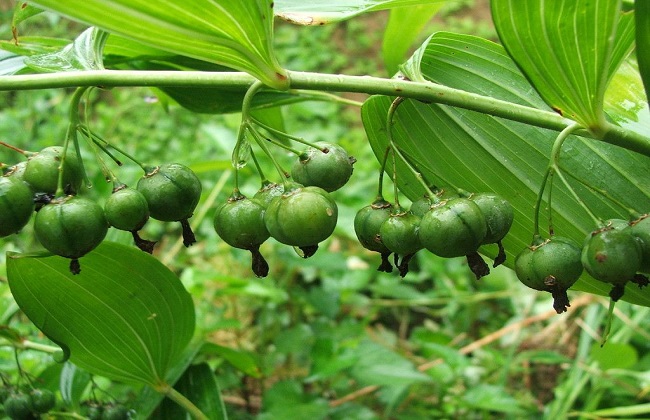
x: 259, y: 265
x: 188, y: 235
x: 385, y: 265
x: 308, y: 251
x: 617, y: 292
x: 478, y: 266
x: 143, y: 244
x: 403, y: 266
x: 75, y: 267
x: 560, y: 301
x: 640, y: 280
x: 501, y: 256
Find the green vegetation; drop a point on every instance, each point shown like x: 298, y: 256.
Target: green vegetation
x: 272, y: 319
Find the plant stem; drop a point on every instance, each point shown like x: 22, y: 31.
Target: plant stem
x: 71, y: 135
x: 181, y: 400
x: 426, y: 92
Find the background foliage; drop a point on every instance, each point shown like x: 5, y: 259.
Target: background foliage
x: 328, y: 337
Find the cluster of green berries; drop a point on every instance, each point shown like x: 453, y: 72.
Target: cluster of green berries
x: 300, y: 213
x: 617, y: 253
x: 112, y: 411
x: 448, y: 225
x: 71, y: 225
x: 21, y: 405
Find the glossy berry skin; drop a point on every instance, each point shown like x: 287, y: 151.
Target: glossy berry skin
x: 611, y: 255
x: 268, y: 192
x: 367, y: 223
x: 640, y: 229
x: 43, y: 400
x: 453, y: 228
x: 301, y: 217
x: 127, y: 209
x: 16, y: 205
x: 329, y: 167
x: 42, y: 171
x: 399, y: 233
x: 18, y: 406
x: 240, y: 223
x: 421, y: 206
x: 71, y: 226
x: 498, y: 213
x: 550, y: 265
x: 172, y: 192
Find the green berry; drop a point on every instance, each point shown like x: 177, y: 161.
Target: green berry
x: 399, y: 233
x: 640, y: 229
x: 328, y: 167
x: 42, y: 171
x: 453, y: 228
x: 43, y: 400
x: 612, y: 256
x: 421, y: 206
x: 172, y: 192
x: 301, y: 217
x: 367, y: 223
x: 240, y: 222
x: 18, y: 406
x: 115, y: 412
x: 498, y: 213
x: 552, y: 266
x: 127, y: 209
x: 71, y: 227
x: 16, y: 205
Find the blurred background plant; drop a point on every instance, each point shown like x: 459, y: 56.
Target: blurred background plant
x: 328, y: 337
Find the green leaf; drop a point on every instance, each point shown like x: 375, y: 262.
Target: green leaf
x: 404, y: 25
x: 492, y: 398
x: 479, y: 153
x: 287, y: 400
x: 199, y: 385
x: 236, y: 34
x: 642, y: 14
x: 614, y: 355
x: 73, y: 383
x: 126, y: 316
x: 22, y: 11
x: 378, y: 365
x: 10, y: 63
x: 321, y: 12
x: 567, y: 49
x: 85, y: 53
x: 625, y: 99
x: 31, y: 45
x: 241, y: 360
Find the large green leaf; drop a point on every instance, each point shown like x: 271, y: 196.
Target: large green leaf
x: 642, y: 13
x: 477, y: 152
x: 236, y: 34
x: 126, y: 316
x: 404, y: 25
x: 568, y: 49
x: 321, y: 12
